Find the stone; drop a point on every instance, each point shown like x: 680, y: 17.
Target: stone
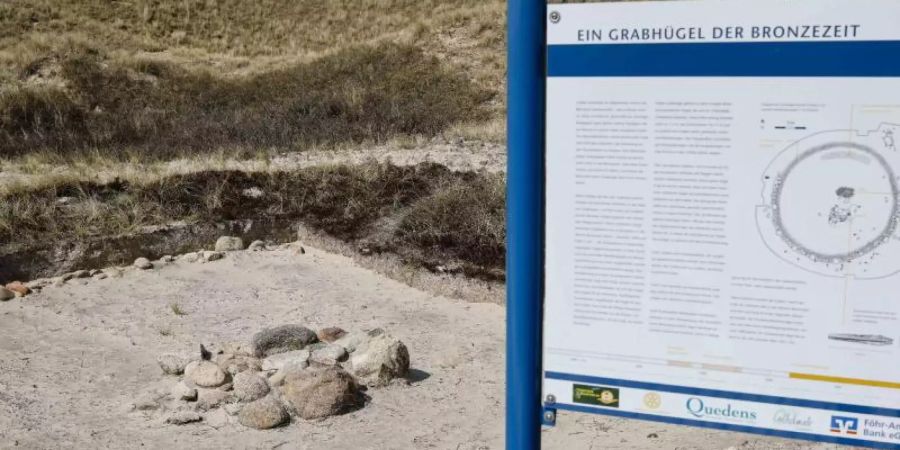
x: 235, y: 364
x: 212, y: 398
x: 18, y: 288
x: 190, y: 257
x: 329, y: 355
x: 282, y: 339
x: 100, y: 276
x: 233, y: 408
x: 143, y: 264
x: 183, y: 392
x: 353, y: 340
x: 379, y: 360
x: 183, y: 418
x: 6, y: 294
x: 296, y: 358
x: 208, y: 256
x: 205, y: 374
x: 113, y: 272
x: 249, y: 386
x: 40, y: 283
x: 318, y: 393
x: 75, y: 274
x: 229, y: 244
x: 167, y: 258
x: 331, y: 334
x: 171, y: 364
x: 257, y: 246
x: 263, y: 414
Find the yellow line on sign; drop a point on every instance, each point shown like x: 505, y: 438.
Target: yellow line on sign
x: 844, y: 380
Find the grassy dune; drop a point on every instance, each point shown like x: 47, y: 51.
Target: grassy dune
x: 157, y: 78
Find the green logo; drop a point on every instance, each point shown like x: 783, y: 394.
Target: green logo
x: 595, y: 395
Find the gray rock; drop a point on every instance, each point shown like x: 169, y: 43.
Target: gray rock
x: 40, y: 283
x: 233, y: 408
x: 296, y: 358
x: 263, y: 414
x: 352, y: 340
x: 171, y: 364
x: 329, y: 355
x: 113, y: 272
x: 75, y: 274
x: 379, y: 360
x: 318, y: 393
x: 184, y: 417
x: 282, y: 339
x: 208, y: 256
x: 248, y: 386
x: 229, y: 244
x: 6, y: 294
x: 167, y: 258
x: 190, y: 257
x: 257, y: 246
x: 100, y: 276
x: 182, y: 391
x: 212, y: 398
x: 205, y: 374
x: 143, y: 264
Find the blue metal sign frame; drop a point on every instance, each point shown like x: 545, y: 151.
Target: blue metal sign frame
x: 525, y: 220
x: 527, y: 76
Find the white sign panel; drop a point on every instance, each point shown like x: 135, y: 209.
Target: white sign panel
x: 723, y: 215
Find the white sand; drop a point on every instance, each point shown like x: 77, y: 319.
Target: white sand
x: 73, y: 358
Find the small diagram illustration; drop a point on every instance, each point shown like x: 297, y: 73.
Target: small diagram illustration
x: 867, y: 339
x: 831, y: 204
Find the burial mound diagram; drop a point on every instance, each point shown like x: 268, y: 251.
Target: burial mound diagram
x: 831, y: 205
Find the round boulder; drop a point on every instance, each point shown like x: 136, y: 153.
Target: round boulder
x: 379, y: 360
x: 281, y: 339
x: 6, y: 294
x: 263, y: 414
x: 143, y: 263
x: 171, y: 364
x: 229, y: 244
x: 318, y: 393
x: 205, y: 374
x: 249, y: 386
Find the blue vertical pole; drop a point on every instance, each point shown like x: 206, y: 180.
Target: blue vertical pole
x: 525, y: 217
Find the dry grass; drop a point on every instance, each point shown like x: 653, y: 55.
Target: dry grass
x: 154, y: 77
x: 433, y: 216
x: 159, y: 111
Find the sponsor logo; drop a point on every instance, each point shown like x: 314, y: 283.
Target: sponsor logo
x: 595, y: 395
x: 792, y: 419
x: 845, y: 425
x: 702, y: 409
x: 881, y: 429
x: 652, y: 400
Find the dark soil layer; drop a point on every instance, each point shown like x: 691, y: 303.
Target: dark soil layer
x: 427, y: 214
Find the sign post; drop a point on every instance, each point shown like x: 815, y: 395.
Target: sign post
x: 704, y: 216
x: 525, y: 234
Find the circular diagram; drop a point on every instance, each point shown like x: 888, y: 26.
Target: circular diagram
x: 831, y: 205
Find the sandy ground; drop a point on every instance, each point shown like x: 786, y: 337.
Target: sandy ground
x: 73, y: 358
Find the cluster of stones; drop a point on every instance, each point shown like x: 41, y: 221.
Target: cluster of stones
x: 223, y: 245
x: 286, y: 371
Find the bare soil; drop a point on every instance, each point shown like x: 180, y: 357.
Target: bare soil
x: 74, y: 358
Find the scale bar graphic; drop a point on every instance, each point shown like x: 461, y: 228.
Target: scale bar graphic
x: 844, y: 380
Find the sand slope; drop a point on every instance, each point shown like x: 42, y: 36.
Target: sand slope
x: 73, y: 358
